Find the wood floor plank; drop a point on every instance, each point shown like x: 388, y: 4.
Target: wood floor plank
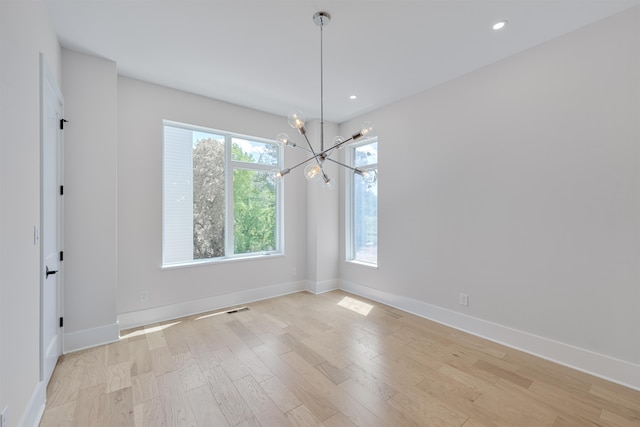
x: 92, y: 406
x: 297, y: 384
x: 261, y: 406
x: 156, y: 340
x: 117, y: 352
x: 59, y: 416
x: 371, y: 382
x: 229, y: 400
x: 334, y: 374
x: 65, y: 383
x: 339, y: 420
x: 514, y: 406
x: 280, y: 394
x: 175, y: 402
x: 162, y: 360
x: 382, y: 409
x: 118, y: 376
x: 617, y: 419
x: 150, y: 414
x: 346, y: 404
x: 503, y: 373
x: 302, y: 417
x: 94, y: 370
x: 139, y: 356
x: 302, y: 349
x: 249, y: 338
x: 119, y: 410
x: 144, y: 387
x: 616, y: 395
x: 249, y: 423
x: 430, y: 410
x: 205, y: 408
x: 307, y: 360
x: 189, y: 371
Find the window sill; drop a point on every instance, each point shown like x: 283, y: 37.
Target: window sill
x: 222, y: 260
x: 362, y: 263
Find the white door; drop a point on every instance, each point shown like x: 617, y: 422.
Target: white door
x: 51, y: 220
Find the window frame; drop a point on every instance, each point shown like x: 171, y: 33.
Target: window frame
x: 350, y: 250
x: 229, y: 167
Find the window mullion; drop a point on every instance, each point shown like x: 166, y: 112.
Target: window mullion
x: 228, y: 170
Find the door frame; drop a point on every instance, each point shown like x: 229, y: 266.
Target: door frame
x: 47, y: 79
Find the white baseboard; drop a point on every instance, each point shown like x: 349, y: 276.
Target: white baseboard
x: 188, y: 308
x: 93, y: 337
x: 606, y: 367
x: 322, y: 287
x: 33, y: 413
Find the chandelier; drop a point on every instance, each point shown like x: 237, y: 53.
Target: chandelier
x: 314, y: 171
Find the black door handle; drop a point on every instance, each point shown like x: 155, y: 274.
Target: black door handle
x: 49, y: 272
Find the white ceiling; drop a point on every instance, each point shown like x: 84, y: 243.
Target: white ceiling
x: 264, y: 54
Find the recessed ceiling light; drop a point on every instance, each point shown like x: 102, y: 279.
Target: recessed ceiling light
x: 353, y: 97
x: 499, y: 25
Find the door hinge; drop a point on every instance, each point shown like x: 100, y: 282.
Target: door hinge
x: 62, y: 190
x: 62, y: 122
x: 61, y: 256
x: 61, y: 322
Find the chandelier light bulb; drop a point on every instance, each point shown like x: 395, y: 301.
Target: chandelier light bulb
x: 313, y: 172
x: 328, y: 183
x: 369, y: 176
x: 296, y: 119
x: 368, y: 129
x: 283, y: 139
x: 337, y: 141
x: 278, y: 174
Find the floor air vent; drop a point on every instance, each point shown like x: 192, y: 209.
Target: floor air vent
x: 235, y: 310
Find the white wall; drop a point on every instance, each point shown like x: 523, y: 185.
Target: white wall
x: 89, y: 85
x: 519, y: 185
x: 322, y: 216
x: 25, y: 31
x: 141, y: 109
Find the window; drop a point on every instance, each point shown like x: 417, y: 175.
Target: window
x: 220, y: 199
x: 362, y: 204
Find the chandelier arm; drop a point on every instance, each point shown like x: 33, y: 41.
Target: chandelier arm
x: 356, y: 170
x: 302, y: 148
x: 339, y: 144
x: 315, y: 155
x: 303, y: 162
x: 306, y: 150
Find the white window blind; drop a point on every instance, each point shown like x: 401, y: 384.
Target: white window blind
x: 178, y: 195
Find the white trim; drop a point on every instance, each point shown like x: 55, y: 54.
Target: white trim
x: 600, y: 365
x: 322, y: 287
x: 93, y: 337
x: 50, y: 93
x: 33, y: 413
x: 160, y: 314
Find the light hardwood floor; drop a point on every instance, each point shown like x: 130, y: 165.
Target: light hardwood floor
x: 314, y: 360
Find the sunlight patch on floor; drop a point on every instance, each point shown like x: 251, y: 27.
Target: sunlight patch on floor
x: 147, y: 330
x: 353, y: 304
x: 230, y: 311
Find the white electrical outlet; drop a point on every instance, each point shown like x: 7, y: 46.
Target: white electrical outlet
x: 464, y: 299
x: 3, y: 417
x: 144, y: 296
